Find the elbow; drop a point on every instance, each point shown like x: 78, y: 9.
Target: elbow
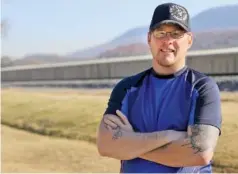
x: 107, y: 148
x: 101, y: 148
x: 101, y: 142
x: 205, y: 158
x: 101, y: 151
x: 106, y: 151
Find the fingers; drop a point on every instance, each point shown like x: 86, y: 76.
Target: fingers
x: 122, y: 116
x: 110, y: 123
x: 113, y: 120
x: 109, y: 127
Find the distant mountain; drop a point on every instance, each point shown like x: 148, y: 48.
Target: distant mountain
x: 213, y: 28
x: 223, y: 17
x: 126, y: 50
x: 132, y: 36
x: 34, y: 59
x: 215, y: 39
x: 38, y: 59
x: 202, y: 40
x: 204, y: 22
x: 31, y: 59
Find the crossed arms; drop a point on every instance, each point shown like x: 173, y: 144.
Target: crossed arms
x: 116, y: 139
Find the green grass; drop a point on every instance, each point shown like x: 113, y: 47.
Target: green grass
x: 76, y: 115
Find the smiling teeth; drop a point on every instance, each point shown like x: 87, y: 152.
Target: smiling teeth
x: 169, y: 50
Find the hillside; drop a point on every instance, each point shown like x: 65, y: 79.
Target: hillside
x: 133, y: 36
x: 214, y: 18
x: 212, y: 30
x: 202, y: 40
x: 126, y: 50
x: 205, y: 23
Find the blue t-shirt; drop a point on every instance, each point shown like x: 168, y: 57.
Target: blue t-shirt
x: 155, y: 102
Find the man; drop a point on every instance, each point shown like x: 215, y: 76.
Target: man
x: 166, y: 119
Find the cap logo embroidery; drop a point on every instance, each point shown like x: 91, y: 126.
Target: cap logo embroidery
x: 178, y: 13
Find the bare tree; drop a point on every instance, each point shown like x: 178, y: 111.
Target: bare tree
x: 4, y: 22
x: 4, y: 27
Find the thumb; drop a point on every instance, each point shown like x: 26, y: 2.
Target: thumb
x: 122, y: 116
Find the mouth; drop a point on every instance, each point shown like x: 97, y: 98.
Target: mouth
x: 167, y: 50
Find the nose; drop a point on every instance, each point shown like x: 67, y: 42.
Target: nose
x: 168, y: 40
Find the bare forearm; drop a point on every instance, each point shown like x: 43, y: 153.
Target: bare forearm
x: 195, y: 150
x: 124, y: 145
x: 176, y: 154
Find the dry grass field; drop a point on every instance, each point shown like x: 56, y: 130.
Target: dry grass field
x: 26, y: 152
x: 75, y: 114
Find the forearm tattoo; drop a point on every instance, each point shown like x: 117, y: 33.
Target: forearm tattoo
x: 117, y: 134
x: 203, y: 137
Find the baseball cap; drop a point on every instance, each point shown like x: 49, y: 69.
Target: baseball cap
x: 170, y: 13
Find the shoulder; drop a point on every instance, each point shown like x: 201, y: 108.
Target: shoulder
x: 132, y: 81
x: 208, y: 102
x: 201, y: 83
x: 120, y: 90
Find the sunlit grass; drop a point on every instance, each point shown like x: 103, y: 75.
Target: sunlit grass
x: 76, y: 115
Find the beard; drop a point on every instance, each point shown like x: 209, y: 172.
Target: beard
x: 165, y: 59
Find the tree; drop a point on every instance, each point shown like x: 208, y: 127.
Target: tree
x: 4, y: 22
x: 4, y: 28
x: 6, y: 61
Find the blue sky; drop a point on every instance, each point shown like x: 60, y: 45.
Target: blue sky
x: 64, y: 26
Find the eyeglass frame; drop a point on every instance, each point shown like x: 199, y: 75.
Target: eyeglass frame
x: 168, y: 33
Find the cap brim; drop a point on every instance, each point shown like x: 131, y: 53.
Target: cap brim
x: 171, y: 22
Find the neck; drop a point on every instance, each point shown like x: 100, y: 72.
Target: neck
x: 163, y: 70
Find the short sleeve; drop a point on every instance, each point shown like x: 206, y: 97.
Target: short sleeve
x: 208, y: 104
x: 117, y: 95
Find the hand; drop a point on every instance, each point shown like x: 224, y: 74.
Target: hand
x: 114, y: 121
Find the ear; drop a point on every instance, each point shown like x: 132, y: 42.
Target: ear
x: 190, y: 40
x: 149, y: 38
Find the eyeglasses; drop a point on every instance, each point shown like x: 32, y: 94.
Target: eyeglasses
x: 174, y: 34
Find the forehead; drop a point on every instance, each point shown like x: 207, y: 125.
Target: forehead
x: 169, y: 27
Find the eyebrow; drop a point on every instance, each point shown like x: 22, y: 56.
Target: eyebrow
x: 177, y: 27
x: 160, y: 29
